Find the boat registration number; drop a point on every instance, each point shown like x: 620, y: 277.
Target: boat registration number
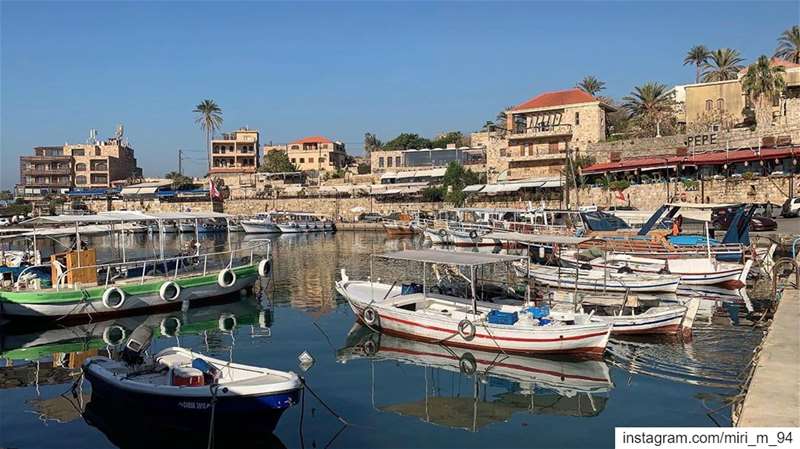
x: 194, y: 405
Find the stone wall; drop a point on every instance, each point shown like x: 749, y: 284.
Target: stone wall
x: 643, y: 197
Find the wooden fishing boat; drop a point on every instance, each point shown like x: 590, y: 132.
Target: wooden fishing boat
x: 188, y: 387
x: 80, y: 287
x: 262, y: 223
x: 599, y: 280
x: 399, y: 224
x: 412, y: 311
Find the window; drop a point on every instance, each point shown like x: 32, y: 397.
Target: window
x: 293, y: 160
x: 322, y: 160
x: 389, y: 161
x: 80, y: 167
x: 97, y: 151
x: 77, y: 152
x: 397, y: 161
x: 295, y: 147
x: 380, y: 162
x: 311, y: 159
x: 721, y: 105
x: 577, y: 118
x: 80, y: 179
x: 709, y: 105
x: 302, y: 160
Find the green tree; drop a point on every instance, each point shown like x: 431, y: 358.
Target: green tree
x: 407, y: 140
x: 371, y: 143
x: 363, y: 168
x: 651, y: 103
x: 6, y: 195
x: 209, y: 117
x: 179, y: 181
x: 762, y: 83
x: 277, y: 161
x: 433, y: 194
x: 444, y: 139
x: 722, y: 65
x: 697, y: 56
x: 591, y: 85
x: 789, y: 45
x: 456, y: 177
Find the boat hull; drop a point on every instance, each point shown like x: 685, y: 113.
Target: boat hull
x: 613, y: 283
x: 437, y: 236
x: 254, y: 227
x: 74, y: 304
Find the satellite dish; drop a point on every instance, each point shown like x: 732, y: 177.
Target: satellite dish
x: 120, y: 131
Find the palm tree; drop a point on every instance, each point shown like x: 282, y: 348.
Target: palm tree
x: 209, y: 116
x: 762, y: 83
x: 697, y: 55
x: 650, y: 103
x: 722, y: 65
x: 789, y: 45
x: 591, y: 85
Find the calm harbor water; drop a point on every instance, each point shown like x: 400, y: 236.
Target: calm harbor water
x: 393, y: 392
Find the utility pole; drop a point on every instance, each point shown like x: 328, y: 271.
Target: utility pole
x: 180, y: 162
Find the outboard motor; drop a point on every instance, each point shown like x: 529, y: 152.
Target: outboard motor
x: 136, y: 345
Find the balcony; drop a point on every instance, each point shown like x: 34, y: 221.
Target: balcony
x: 541, y: 130
x: 45, y: 171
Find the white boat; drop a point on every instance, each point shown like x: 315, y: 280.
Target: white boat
x: 692, y: 270
x: 262, y: 223
x: 296, y: 222
x: 235, y: 227
x: 416, y: 313
x: 185, y: 227
x: 437, y: 236
x: 470, y: 235
x: 599, y: 280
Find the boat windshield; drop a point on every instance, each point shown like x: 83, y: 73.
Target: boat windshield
x: 601, y: 221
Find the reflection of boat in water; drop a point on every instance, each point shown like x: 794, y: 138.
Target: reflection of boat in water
x: 27, y: 345
x: 132, y: 428
x: 540, y: 386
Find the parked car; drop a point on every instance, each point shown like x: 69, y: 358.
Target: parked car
x: 722, y: 218
x: 4, y: 222
x: 791, y: 207
x: 370, y: 218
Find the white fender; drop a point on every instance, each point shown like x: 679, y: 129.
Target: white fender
x: 264, y: 267
x: 226, y: 278
x: 163, y: 292
x: 107, y: 297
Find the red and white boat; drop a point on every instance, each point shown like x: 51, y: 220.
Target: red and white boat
x: 412, y: 311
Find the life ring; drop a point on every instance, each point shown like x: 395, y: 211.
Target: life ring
x: 467, y: 364
x: 107, y: 297
x: 442, y: 233
x: 170, y: 326
x: 466, y: 329
x: 169, y: 291
x: 264, y: 268
x: 226, y: 278
x: 473, y: 234
x: 371, y: 317
x: 227, y: 322
x: 114, y: 340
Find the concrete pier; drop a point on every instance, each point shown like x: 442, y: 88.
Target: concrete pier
x: 773, y: 398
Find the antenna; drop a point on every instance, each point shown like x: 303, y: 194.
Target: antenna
x: 92, y: 136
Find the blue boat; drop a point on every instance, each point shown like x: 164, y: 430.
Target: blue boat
x: 186, y: 387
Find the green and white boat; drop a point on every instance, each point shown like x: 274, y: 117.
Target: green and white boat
x: 80, y: 288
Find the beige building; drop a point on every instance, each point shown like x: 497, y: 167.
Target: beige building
x: 722, y: 104
x: 384, y: 161
x: 236, y: 152
x: 49, y: 171
x: 543, y: 129
x: 314, y: 154
x: 99, y: 164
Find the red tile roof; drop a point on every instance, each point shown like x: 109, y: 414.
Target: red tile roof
x: 313, y: 139
x: 558, y: 98
x: 711, y: 158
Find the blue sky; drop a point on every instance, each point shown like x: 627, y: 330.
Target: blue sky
x: 336, y: 69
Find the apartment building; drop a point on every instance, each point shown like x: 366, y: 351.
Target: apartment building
x: 393, y: 160
x: 48, y: 171
x: 542, y: 130
x: 314, y: 154
x: 235, y: 152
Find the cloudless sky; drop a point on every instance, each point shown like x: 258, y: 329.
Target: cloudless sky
x: 335, y: 69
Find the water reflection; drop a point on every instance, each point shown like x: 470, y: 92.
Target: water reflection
x: 468, y: 389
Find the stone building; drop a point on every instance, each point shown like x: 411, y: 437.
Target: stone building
x: 425, y: 158
x: 543, y: 130
x: 236, y: 152
x: 314, y: 154
x: 99, y: 164
x: 49, y: 171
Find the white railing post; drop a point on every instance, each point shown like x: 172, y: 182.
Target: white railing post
x: 144, y: 270
x: 205, y: 264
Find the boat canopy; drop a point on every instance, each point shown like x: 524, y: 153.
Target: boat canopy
x: 537, y: 238
x: 450, y: 257
x: 118, y: 216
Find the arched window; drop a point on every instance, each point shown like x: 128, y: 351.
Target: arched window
x: 80, y: 180
x: 709, y: 105
x: 80, y: 167
x: 721, y: 105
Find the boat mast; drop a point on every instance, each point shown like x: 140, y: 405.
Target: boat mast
x: 472, y: 271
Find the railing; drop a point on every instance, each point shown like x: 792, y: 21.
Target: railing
x: 543, y: 130
x: 164, y: 264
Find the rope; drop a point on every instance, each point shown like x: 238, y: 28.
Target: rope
x: 213, y: 389
x: 305, y: 385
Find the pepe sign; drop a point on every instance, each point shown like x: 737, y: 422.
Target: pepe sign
x: 701, y: 139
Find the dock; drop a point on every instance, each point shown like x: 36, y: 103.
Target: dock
x: 773, y: 397
x: 359, y: 226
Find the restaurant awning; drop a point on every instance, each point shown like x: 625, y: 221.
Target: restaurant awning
x: 474, y: 188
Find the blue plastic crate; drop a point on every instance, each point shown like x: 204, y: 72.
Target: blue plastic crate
x: 410, y: 288
x: 539, y: 312
x: 498, y: 317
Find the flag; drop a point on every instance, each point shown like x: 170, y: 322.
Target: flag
x: 620, y: 195
x: 213, y: 193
